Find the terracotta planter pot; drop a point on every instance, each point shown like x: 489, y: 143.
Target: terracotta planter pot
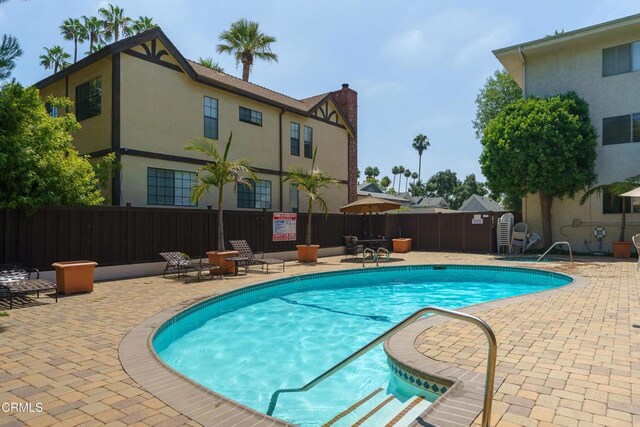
x: 402, y: 245
x: 621, y: 249
x: 308, y: 253
x: 220, y: 258
x: 74, y: 276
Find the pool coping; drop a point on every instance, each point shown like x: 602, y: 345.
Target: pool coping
x: 142, y: 364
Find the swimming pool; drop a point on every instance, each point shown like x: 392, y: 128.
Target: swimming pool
x: 281, y: 334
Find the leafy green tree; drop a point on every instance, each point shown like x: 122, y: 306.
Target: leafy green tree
x: 245, y: 42
x: 400, y: 172
x: 420, y: 144
x: 385, y: 182
x: 466, y: 189
x: 9, y: 52
x: 39, y: 165
x: 371, y: 172
x: 210, y: 63
x: 114, y: 22
x: 545, y: 146
x: 72, y: 29
x: 140, y: 25
x: 443, y: 184
x: 94, y: 28
x: 217, y: 173
x: 499, y: 91
x: 54, y: 57
x: 311, y: 182
x: 615, y: 189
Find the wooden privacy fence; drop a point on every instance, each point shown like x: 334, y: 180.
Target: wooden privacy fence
x: 114, y: 235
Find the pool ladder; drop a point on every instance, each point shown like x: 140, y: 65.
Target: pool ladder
x: 491, y: 357
x: 553, y: 246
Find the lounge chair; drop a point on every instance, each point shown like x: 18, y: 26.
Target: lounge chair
x: 636, y: 242
x: 243, y: 249
x: 182, y: 263
x: 519, y: 237
x: 351, y: 246
x: 16, y: 280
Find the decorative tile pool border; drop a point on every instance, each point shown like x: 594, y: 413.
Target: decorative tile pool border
x: 419, y: 379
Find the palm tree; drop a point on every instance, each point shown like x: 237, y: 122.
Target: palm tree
x: 142, y: 24
x: 245, y: 42
x: 414, y: 176
x: 94, y: 30
x: 210, y: 63
x: 420, y: 144
x: 400, y: 172
x: 395, y: 171
x: 72, y: 29
x: 9, y: 51
x: 311, y: 182
x: 114, y: 21
x: 55, y: 57
x: 407, y: 174
x: 218, y: 173
x: 615, y: 189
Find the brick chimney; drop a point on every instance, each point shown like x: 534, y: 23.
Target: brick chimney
x: 347, y: 100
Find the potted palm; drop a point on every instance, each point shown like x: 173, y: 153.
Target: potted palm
x: 621, y: 248
x: 311, y: 182
x: 218, y: 173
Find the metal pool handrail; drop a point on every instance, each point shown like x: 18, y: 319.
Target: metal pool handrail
x: 553, y: 246
x: 491, y: 357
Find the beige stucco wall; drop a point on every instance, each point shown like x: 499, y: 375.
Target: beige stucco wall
x: 579, y: 68
x: 95, y: 132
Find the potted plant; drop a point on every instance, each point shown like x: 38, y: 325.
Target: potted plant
x: 311, y: 182
x: 621, y: 248
x: 218, y: 173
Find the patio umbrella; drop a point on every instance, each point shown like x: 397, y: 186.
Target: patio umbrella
x: 633, y: 193
x: 369, y: 205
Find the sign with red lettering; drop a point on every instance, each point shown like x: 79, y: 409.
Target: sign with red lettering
x: 284, y: 226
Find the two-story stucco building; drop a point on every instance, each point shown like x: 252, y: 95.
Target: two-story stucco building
x: 142, y: 100
x: 602, y: 64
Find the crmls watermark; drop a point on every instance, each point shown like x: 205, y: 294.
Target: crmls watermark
x: 12, y: 407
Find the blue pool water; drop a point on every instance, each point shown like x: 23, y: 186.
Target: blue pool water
x: 249, y: 343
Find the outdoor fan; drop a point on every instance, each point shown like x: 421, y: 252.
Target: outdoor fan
x: 599, y: 232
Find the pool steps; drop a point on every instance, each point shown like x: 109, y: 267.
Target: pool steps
x: 380, y: 409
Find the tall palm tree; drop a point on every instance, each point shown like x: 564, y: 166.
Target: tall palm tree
x: 420, y: 144
x: 245, y: 42
x: 400, y: 172
x: 72, y: 29
x: 142, y: 24
x: 55, y: 57
x: 94, y: 29
x: 395, y: 171
x: 311, y: 182
x: 414, y: 176
x: 217, y: 173
x: 9, y: 51
x: 210, y: 63
x: 407, y: 174
x: 114, y: 21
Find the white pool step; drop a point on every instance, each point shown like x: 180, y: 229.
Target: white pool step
x: 380, y: 409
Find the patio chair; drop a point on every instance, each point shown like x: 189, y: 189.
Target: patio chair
x: 636, y: 242
x: 351, y: 246
x: 519, y: 237
x: 181, y: 262
x: 243, y: 249
x: 15, y: 280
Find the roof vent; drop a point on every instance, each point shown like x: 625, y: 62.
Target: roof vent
x: 345, y: 85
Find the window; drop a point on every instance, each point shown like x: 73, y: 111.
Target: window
x: 621, y: 129
x: 256, y: 197
x: 89, y: 99
x: 613, y: 204
x: 621, y: 59
x: 210, y: 117
x: 293, y: 198
x: 295, y: 139
x: 170, y: 188
x: 308, y: 142
x: 52, y: 109
x: 250, y: 116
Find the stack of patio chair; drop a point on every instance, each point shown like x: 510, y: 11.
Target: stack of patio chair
x: 351, y: 246
x: 503, y: 230
x: 182, y: 263
x: 243, y: 249
x: 15, y: 280
x: 519, y: 237
x: 636, y: 242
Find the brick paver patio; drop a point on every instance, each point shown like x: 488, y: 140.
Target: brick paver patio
x: 571, y: 358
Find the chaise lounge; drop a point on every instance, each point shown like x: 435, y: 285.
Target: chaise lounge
x: 15, y: 280
x: 243, y: 249
x: 182, y: 263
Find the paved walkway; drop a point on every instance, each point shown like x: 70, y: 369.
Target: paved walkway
x: 569, y: 359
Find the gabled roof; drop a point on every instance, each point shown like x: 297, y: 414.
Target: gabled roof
x: 428, y: 202
x: 369, y: 187
x: 490, y: 205
x: 203, y: 75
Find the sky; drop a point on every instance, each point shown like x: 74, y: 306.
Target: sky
x: 417, y: 65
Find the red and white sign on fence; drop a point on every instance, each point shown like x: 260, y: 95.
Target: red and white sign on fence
x: 284, y: 226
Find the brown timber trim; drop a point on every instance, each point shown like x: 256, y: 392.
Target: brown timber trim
x: 115, y: 128
x: 153, y: 60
